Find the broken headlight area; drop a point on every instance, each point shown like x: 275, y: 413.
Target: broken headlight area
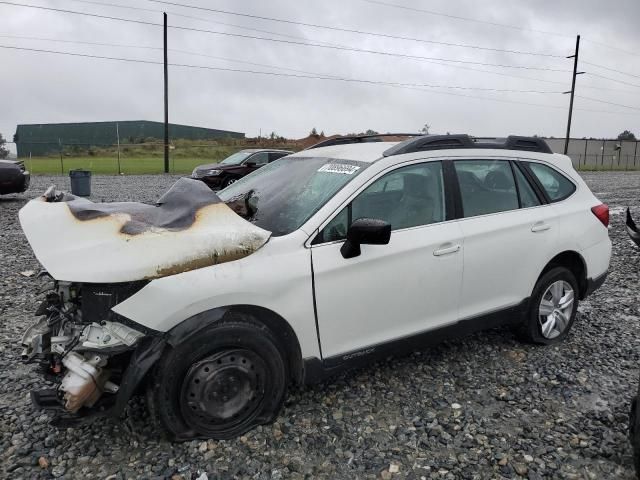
x: 81, y: 346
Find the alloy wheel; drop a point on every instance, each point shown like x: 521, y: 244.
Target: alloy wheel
x: 555, y: 309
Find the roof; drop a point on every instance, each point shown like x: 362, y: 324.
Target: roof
x: 363, y: 152
x: 256, y: 150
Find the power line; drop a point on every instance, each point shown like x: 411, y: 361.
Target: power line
x: 608, y: 103
x: 261, y: 64
x: 359, y: 32
x: 635, y: 54
x: 611, y: 69
x: 466, y: 19
x: 468, y: 68
x: 613, y: 79
x: 278, y: 67
x: 191, y: 17
x: 389, y: 84
x: 280, y: 74
x: 291, y: 42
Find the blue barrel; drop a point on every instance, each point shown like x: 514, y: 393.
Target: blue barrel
x: 80, y: 182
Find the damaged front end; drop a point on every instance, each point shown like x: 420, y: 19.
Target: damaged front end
x: 87, y: 351
x: 100, y: 254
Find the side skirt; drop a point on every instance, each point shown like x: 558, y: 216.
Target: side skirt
x: 316, y: 370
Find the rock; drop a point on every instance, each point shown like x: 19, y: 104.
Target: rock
x: 520, y: 469
x: 58, y: 471
x: 43, y: 463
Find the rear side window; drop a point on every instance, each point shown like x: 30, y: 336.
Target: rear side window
x: 557, y: 186
x: 276, y: 155
x: 486, y: 186
x: 260, y: 158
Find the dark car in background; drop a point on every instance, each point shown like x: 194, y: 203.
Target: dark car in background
x: 13, y: 177
x: 236, y: 166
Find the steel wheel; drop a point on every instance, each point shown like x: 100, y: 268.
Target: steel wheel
x: 555, y: 309
x: 223, y: 390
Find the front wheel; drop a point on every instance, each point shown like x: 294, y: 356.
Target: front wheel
x: 228, y: 182
x: 220, y: 384
x: 553, y: 307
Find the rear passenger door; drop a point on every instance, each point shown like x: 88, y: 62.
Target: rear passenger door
x: 508, y: 231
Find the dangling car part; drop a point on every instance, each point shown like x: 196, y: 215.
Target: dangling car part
x: 632, y: 229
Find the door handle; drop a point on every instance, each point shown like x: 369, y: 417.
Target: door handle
x: 445, y: 250
x: 540, y: 227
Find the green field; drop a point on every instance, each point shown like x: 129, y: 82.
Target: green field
x: 139, y: 158
x: 109, y: 165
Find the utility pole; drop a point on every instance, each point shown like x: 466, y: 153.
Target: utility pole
x: 166, y: 100
x: 572, y: 92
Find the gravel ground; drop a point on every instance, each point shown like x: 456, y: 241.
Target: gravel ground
x: 481, y: 407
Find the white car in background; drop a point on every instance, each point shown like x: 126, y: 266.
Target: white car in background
x: 328, y: 258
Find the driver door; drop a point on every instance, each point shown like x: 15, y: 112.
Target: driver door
x: 409, y: 286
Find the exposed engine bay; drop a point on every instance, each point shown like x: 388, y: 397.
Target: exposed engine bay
x: 103, y: 254
x: 80, y: 345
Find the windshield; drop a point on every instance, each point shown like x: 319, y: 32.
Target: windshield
x: 235, y: 159
x: 283, y: 195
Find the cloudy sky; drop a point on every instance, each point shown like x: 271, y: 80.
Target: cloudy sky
x: 47, y: 87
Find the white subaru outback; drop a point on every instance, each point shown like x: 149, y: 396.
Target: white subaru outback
x: 328, y: 258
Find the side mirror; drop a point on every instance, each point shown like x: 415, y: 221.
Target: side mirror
x: 251, y: 164
x: 365, y: 231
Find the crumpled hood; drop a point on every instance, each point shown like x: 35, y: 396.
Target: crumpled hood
x: 78, y: 240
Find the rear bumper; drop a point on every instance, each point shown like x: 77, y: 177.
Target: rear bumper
x: 594, y: 283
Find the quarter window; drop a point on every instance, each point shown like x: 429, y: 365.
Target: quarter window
x: 407, y: 197
x: 557, y: 186
x: 486, y: 186
x: 528, y: 197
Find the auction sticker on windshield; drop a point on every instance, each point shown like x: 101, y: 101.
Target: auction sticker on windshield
x: 339, y: 168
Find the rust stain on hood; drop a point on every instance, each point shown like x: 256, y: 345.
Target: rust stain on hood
x: 188, y: 228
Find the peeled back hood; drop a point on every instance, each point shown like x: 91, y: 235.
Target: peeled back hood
x: 78, y: 240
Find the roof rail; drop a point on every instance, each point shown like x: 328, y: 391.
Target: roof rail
x: 347, y: 139
x: 440, y: 142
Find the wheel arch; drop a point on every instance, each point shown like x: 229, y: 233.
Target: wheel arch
x: 573, y: 261
x: 280, y: 328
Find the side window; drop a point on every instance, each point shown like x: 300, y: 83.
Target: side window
x: 557, y: 186
x: 276, y: 155
x: 528, y: 197
x: 260, y: 158
x: 407, y: 197
x: 486, y: 186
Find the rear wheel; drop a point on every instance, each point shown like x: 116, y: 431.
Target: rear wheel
x: 222, y: 383
x: 553, y: 307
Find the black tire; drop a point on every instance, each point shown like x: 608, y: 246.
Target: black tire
x: 229, y: 181
x: 220, y: 383
x: 532, y: 330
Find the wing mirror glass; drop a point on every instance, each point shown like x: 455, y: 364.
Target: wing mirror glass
x: 365, y: 231
x: 251, y: 164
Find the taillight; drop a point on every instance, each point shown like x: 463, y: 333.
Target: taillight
x: 602, y: 212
